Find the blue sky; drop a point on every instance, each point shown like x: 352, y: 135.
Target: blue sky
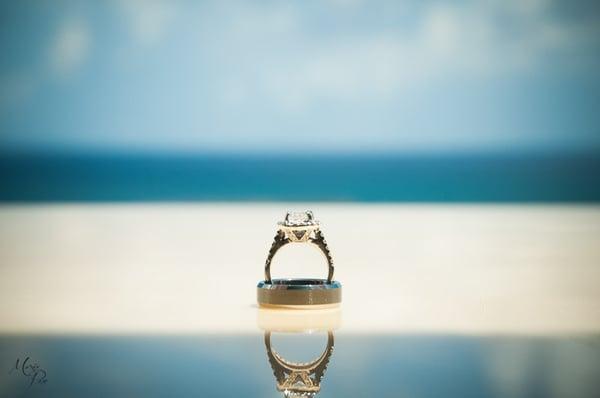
x: 330, y: 76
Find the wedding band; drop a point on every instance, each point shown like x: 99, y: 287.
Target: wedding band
x: 299, y: 292
x: 299, y: 228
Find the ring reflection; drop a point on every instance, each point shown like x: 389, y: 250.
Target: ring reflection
x: 294, y: 378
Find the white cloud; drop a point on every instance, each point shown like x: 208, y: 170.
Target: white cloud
x: 441, y: 30
x: 149, y: 20
x: 66, y: 51
x: 70, y: 46
x: 446, y: 41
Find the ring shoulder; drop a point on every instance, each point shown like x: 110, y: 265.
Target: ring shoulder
x: 279, y: 241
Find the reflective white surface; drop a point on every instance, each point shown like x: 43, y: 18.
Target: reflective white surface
x: 185, y: 268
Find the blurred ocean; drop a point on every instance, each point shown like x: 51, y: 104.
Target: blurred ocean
x: 385, y: 178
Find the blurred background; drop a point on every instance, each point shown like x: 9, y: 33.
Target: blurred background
x: 313, y: 100
x: 380, y: 116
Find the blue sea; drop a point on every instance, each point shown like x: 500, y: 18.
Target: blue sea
x: 374, y: 178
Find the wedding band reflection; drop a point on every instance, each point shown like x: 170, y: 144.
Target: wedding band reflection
x: 298, y: 379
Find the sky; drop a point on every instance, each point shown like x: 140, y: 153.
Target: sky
x: 300, y: 77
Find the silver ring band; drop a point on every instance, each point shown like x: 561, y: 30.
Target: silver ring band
x: 299, y: 292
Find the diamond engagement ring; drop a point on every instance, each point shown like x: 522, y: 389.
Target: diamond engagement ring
x: 299, y: 228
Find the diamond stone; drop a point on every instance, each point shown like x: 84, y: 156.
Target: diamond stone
x: 299, y: 218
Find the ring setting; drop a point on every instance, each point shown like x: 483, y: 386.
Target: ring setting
x: 299, y: 227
